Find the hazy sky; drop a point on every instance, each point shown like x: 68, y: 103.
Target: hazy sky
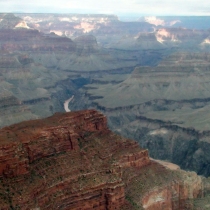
x: 141, y: 7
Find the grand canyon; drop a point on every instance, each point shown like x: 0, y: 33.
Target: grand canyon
x: 73, y: 161
x: 75, y: 89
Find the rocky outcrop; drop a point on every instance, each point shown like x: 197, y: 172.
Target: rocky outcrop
x: 141, y: 41
x: 163, y: 189
x: 86, y: 45
x: 10, y: 21
x: 42, y: 142
x: 60, y: 161
x: 180, y: 35
x: 73, y: 161
x: 174, y: 195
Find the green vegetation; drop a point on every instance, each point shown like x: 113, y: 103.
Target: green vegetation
x: 130, y: 200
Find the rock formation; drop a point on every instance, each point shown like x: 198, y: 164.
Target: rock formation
x: 73, y: 25
x: 180, y: 76
x: 163, y: 107
x: 10, y: 21
x: 37, y: 70
x: 73, y: 161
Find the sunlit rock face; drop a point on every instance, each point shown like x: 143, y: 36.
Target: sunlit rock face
x: 10, y: 21
x: 184, y: 32
x: 158, y: 21
x: 181, y: 37
x: 80, y: 23
x: 190, y: 22
x: 164, y: 38
x: 106, y: 28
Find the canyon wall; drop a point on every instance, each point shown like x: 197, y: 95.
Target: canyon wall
x: 73, y: 161
x: 38, y: 70
x: 165, y: 108
x: 57, y: 163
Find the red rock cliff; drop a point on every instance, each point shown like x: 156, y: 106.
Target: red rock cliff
x: 67, y: 161
x: 73, y: 161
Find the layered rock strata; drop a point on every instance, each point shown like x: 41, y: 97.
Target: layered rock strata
x: 73, y: 161
x: 56, y: 163
x: 37, y: 70
x: 163, y: 107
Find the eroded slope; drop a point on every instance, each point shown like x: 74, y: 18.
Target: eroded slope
x: 73, y: 161
x: 165, y: 108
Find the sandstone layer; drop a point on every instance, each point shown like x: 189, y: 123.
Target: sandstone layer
x: 73, y: 161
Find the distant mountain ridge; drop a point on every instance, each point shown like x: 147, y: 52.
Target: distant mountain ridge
x: 190, y: 22
x: 33, y: 66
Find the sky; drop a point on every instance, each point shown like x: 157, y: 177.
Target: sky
x: 118, y: 7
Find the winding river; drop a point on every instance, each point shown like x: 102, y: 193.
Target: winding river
x: 66, y: 104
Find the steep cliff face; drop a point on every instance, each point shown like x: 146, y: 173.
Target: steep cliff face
x: 67, y: 161
x: 44, y: 140
x: 175, y: 194
x: 163, y: 189
x: 73, y: 161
